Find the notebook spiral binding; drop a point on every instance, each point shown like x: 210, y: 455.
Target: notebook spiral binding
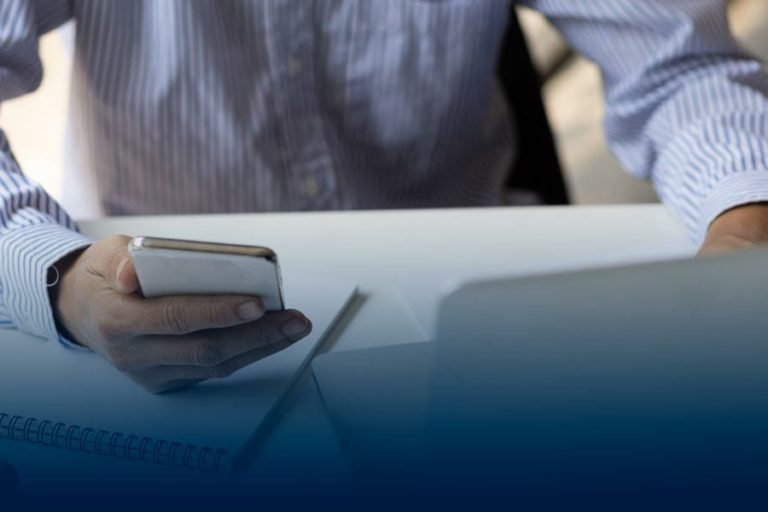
x: 114, y: 444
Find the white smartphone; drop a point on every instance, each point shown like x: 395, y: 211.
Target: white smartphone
x: 181, y: 267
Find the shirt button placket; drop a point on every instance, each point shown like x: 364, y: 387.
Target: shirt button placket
x: 309, y: 163
x: 310, y: 188
x: 294, y: 66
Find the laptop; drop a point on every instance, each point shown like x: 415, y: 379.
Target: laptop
x: 642, y: 380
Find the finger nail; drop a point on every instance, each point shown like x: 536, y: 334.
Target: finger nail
x: 120, y: 267
x: 294, y: 327
x: 250, y: 310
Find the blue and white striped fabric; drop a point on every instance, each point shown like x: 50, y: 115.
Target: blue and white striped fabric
x: 189, y: 106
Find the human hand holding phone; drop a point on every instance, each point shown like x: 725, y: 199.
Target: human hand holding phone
x: 164, y: 343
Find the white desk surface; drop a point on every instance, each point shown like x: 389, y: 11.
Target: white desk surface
x: 379, y: 249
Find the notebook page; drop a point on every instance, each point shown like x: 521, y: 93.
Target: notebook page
x: 39, y: 379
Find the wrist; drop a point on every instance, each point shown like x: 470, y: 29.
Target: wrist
x: 56, y: 277
x: 738, y: 228
x: 748, y: 221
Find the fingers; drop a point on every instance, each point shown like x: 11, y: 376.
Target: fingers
x: 187, y: 314
x: 213, y: 348
x: 246, y: 345
x: 163, y: 379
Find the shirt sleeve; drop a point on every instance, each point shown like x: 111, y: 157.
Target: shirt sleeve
x: 686, y: 107
x: 34, y: 231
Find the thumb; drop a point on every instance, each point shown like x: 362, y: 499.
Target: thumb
x: 118, y: 269
x: 126, y: 280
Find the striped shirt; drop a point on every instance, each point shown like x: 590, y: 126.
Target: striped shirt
x: 190, y: 106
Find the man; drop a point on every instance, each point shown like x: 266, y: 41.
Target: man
x: 193, y: 106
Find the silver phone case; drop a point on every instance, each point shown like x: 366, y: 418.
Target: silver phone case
x: 179, y: 267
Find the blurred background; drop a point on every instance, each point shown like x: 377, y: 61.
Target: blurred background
x: 37, y: 123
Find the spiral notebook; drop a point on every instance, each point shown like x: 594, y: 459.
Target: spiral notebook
x: 75, y: 400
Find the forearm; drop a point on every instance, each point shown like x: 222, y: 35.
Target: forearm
x: 686, y: 107
x: 34, y: 233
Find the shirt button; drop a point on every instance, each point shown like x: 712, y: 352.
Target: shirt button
x: 295, y: 67
x: 310, y: 187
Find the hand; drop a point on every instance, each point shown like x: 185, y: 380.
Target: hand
x: 740, y: 228
x: 164, y: 343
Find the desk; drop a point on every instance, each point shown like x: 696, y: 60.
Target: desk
x: 377, y: 248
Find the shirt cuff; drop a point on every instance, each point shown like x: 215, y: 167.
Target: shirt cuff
x: 733, y: 190
x: 26, y: 255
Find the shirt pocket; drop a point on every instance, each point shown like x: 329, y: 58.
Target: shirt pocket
x: 392, y: 73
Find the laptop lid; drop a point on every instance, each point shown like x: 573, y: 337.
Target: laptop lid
x: 654, y: 373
